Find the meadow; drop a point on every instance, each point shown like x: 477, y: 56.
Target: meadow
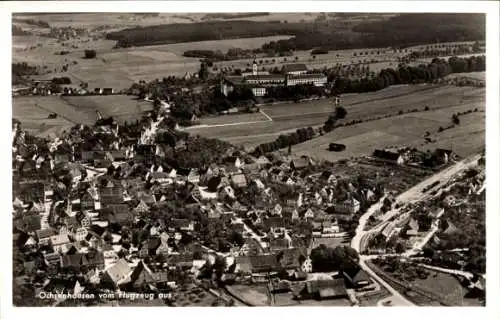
x: 362, y: 138
x: 33, y: 111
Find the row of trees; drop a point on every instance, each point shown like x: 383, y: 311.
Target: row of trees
x: 437, y: 69
x: 21, y: 70
x: 326, y: 259
x: 210, y: 55
x: 299, y: 136
x: 294, y: 92
x: 340, y: 113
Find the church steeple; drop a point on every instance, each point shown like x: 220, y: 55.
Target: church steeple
x: 254, y: 67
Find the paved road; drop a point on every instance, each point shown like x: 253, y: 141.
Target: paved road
x: 360, y: 232
x: 397, y: 298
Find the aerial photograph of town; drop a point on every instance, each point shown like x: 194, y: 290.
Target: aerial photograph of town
x: 248, y: 159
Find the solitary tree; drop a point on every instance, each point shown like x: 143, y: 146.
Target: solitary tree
x: 203, y: 73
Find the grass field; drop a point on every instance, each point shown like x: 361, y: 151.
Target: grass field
x: 405, y: 130
x: 33, y: 111
x: 443, y: 285
x: 442, y: 101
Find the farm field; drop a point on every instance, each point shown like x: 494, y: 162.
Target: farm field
x: 121, y: 107
x: 223, y: 45
x: 122, y: 20
x: 33, y: 111
x: 405, y: 130
x: 289, y: 117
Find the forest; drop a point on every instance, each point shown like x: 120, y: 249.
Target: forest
x: 412, y: 29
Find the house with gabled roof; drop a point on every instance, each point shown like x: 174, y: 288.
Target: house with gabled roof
x: 413, y: 227
x: 87, y: 201
x: 117, y: 214
x: 449, y: 228
x: 263, y: 161
x: 299, y: 163
x: 43, y: 235
x: 294, y: 69
x: 324, y: 289
x: 181, y: 260
x: 350, y: 206
x: 119, y: 273
x: 52, y: 258
x: 239, y: 180
x: 183, y: 224
x: 57, y: 241
x: 257, y: 263
x: 356, y: 277
x: 141, y: 208
x: 389, y: 156
x: 193, y: 176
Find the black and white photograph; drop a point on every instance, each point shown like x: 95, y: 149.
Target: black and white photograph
x: 249, y: 159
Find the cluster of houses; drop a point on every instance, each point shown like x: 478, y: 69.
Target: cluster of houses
x: 258, y: 81
x: 413, y: 157
x: 411, y: 229
x: 87, y: 211
x: 46, y: 86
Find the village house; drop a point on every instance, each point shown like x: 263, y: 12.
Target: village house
x: 183, y: 224
x: 111, y: 195
x: 389, y: 156
x: 299, y: 163
x: 348, y: 207
x: 119, y: 273
x: 80, y: 234
x: 52, y: 259
x: 87, y: 201
x: 57, y: 241
x: 93, y: 260
x: 43, y: 236
x: 257, y: 264
x: 356, y: 277
x: 413, y: 228
x: 142, y: 277
x: 119, y: 214
x: 322, y: 289
x: 239, y: 180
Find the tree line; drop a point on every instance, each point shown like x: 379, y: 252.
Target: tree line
x: 285, y: 140
x: 404, y: 74
x: 412, y: 29
x: 294, y: 92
